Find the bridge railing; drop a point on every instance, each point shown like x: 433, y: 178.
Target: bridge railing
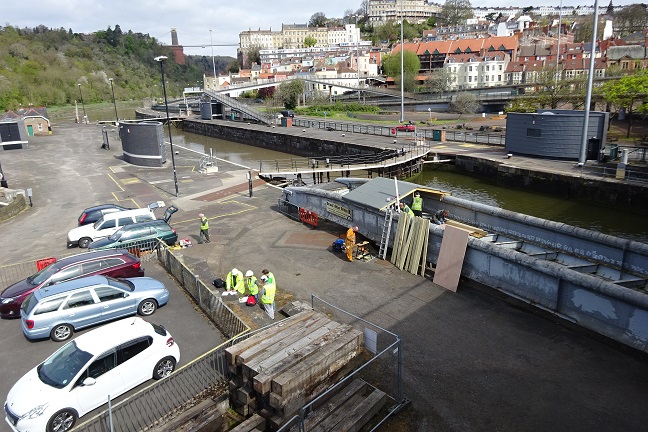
x: 250, y: 112
x: 325, y: 162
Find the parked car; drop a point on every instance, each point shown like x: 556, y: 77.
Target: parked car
x: 138, y: 232
x: 57, y: 311
x: 116, y: 263
x: 79, y: 376
x: 82, y: 236
x: 406, y: 128
x: 93, y: 214
x: 288, y: 113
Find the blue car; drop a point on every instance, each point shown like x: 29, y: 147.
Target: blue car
x: 57, y: 311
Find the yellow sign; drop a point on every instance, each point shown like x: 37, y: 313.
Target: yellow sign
x: 340, y: 211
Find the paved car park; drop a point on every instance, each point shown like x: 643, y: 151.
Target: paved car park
x: 471, y: 361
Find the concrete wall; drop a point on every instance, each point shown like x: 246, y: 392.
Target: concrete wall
x: 553, y: 134
x: 143, y: 143
x: 15, y: 206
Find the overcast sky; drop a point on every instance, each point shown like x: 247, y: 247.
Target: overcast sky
x: 193, y: 19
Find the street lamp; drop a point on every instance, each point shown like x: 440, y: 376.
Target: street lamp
x: 402, y: 116
x: 161, y: 60
x: 85, y: 118
x: 358, y: 56
x: 430, y: 113
x: 212, y: 48
x: 114, y: 103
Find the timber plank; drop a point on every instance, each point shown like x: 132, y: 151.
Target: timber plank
x: 232, y: 352
x: 339, y: 413
x: 269, y: 346
x: 315, y: 368
x: 360, y: 414
x: 253, y: 423
x: 260, y: 363
x: 263, y: 381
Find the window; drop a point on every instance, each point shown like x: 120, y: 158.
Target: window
x: 92, y: 266
x: 135, y: 233
x: 79, y: 299
x: 65, y: 274
x: 49, y: 306
x: 500, y: 67
x: 102, y: 365
x: 106, y: 293
x: 535, y: 133
x: 124, y: 221
x: 110, y: 223
x: 132, y: 348
x: 143, y: 218
x: 112, y: 262
x: 487, y: 68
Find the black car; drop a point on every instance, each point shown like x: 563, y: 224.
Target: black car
x: 93, y: 214
x: 132, y: 234
x: 288, y: 113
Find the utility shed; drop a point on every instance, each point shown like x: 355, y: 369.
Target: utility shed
x: 278, y: 370
x: 380, y: 193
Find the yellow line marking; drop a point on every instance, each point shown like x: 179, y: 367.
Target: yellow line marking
x: 467, y: 145
x: 131, y: 180
x: 250, y: 207
x: 122, y: 189
x: 116, y: 182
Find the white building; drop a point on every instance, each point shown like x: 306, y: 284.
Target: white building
x: 470, y: 70
x: 414, y: 11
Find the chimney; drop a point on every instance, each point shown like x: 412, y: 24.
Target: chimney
x: 174, y: 37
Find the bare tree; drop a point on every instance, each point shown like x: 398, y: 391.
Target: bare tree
x: 465, y: 103
x: 455, y: 12
x: 318, y: 19
x: 439, y: 80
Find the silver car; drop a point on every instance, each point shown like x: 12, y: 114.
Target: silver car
x: 58, y: 310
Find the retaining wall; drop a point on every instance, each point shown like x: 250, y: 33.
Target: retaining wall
x: 18, y: 204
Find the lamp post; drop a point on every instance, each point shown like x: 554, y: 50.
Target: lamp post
x: 402, y: 116
x: 112, y: 89
x: 213, y: 61
x: 358, y: 56
x: 430, y: 113
x: 161, y: 60
x: 588, y: 94
x: 85, y: 118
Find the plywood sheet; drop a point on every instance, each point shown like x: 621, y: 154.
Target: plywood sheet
x: 451, y: 256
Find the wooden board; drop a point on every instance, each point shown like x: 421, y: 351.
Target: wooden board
x: 451, y: 256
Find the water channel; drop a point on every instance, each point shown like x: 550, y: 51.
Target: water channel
x: 607, y: 220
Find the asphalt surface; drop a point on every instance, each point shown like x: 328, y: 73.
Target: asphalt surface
x: 472, y: 361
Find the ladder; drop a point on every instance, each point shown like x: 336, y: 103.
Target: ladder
x: 386, y: 231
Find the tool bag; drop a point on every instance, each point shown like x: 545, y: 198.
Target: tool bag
x: 251, y: 301
x: 338, y: 245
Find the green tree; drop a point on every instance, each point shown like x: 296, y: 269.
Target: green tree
x: 392, y: 64
x: 631, y: 19
x: 310, y: 41
x: 629, y: 93
x: 454, y: 12
x: 289, y: 93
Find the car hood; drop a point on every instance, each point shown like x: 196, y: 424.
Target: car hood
x: 100, y: 243
x: 82, y: 231
x: 17, y: 289
x: 30, y: 392
x: 146, y: 284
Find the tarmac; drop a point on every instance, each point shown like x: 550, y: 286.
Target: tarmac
x: 472, y: 360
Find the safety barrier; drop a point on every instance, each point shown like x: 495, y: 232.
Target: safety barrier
x: 308, y: 217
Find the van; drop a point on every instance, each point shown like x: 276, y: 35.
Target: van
x: 108, y: 224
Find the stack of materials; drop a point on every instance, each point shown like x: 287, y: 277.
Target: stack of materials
x: 410, y: 244
x: 278, y: 370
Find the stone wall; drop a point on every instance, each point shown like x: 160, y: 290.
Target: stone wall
x: 15, y: 206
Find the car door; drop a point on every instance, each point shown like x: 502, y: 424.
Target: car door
x: 134, y: 360
x: 105, y: 229
x: 107, y: 382
x: 114, y: 302
x: 124, y: 221
x: 81, y: 310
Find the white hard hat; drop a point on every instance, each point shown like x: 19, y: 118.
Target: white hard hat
x: 249, y: 273
x: 264, y: 278
x: 235, y: 270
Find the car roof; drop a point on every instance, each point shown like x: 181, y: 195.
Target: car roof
x: 102, y: 207
x: 113, y: 334
x: 73, y: 259
x: 143, y: 224
x: 69, y: 286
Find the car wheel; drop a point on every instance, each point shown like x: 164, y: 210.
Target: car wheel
x: 62, y: 421
x: 164, y: 367
x: 61, y: 332
x: 147, y: 307
x: 84, y: 242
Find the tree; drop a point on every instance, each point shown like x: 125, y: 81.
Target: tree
x: 439, y: 80
x: 234, y: 67
x: 631, y: 19
x: 318, y: 19
x: 465, y: 103
x: 527, y: 10
x: 392, y: 65
x: 454, y: 12
x: 629, y: 93
x: 310, y: 41
x: 289, y: 93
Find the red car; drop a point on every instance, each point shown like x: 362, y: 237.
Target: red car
x: 117, y: 263
x: 406, y: 128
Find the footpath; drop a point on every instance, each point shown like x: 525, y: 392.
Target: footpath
x: 471, y: 361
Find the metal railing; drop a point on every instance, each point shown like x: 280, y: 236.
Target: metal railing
x: 316, y: 162
x: 247, y: 110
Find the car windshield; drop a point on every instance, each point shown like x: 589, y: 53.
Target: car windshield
x: 116, y: 235
x: 43, y: 275
x: 61, y: 367
x: 123, y: 284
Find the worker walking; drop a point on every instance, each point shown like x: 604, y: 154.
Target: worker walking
x: 350, y: 241
x: 204, y: 229
x: 234, y: 283
x: 251, y: 284
x: 404, y: 208
x: 417, y: 205
x: 269, y: 289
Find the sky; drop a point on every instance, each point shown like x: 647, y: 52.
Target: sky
x: 193, y: 19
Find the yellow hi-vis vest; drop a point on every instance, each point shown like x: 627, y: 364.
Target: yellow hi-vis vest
x: 204, y: 224
x: 417, y: 203
x: 251, y: 285
x: 269, y: 290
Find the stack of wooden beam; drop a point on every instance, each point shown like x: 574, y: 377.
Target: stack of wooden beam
x: 410, y: 244
x: 278, y: 370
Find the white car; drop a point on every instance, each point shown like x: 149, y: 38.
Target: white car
x: 78, y: 377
